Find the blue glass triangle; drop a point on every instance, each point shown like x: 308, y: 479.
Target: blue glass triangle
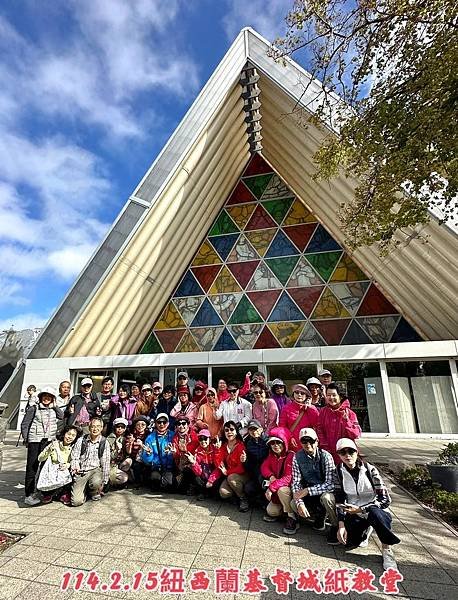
x: 281, y: 246
x: 206, y: 316
x: 404, y: 332
x: 226, y: 342
x: 322, y: 241
x: 286, y: 310
x: 188, y: 287
x: 355, y: 335
x: 223, y: 244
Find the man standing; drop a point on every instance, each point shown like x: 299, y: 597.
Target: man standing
x: 325, y: 377
x: 90, y: 464
x: 104, y: 398
x: 235, y: 409
x: 83, y: 406
x: 313, y: 483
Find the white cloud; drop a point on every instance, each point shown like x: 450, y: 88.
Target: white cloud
x: 23, y: 321
x: 267, y: 17
x: 68, y: 261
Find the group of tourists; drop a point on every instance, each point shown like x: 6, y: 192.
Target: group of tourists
x: 296, y: 456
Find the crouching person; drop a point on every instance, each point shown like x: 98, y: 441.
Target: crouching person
x: 90, y: 464
x: 205, y: 463
x: 157, y: 455
x: 277, y: 471
x: 120, y: 464
x: 362, y: 503
x: 313, y: 483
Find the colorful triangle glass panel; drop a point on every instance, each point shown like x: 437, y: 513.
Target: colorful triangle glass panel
x: 241, y: 213
x: 306, y: 297
x: 300, y: 234
x: 309, y: 337
x: 245, y: 335
x: 188, y: 287
x: 264, y: 301
x: 257, y: 166
x: 286, y: 310
x: 187, y: 344
x: 287, y: 333
x: 322, y: 241
x: 355, y: 335
x: 206, y: 275
x: 206, y: 256
x: 240, y: 195
x: 299, y: 214
x: 324, y: 263
x: 170, y: 338
x: 206, y: 337
x: 404, y: 332
x: 243, y: 271
x: 303, y: 275
x: 225, y: 304
x: 263, y: 279
x: 206, y: 315
x: 245, y: 313
x: 242, y: 251
x: 282, y: 267
x: 257, y: 184
x: 170, y: 318
x: 375, y: 303
x: 223, y: 244
x: 188, y: 307
x: 260, y: 219
x: 224, y: 283
x: 379, y: 329
x: 350, y: 294
x: 332, y: 330
x: 260, y: 240
x: 347, y: 270
x: 277, y: 189
x: 281, y: 246
x: 277, y: 209
x: 329, y: 307
x: 223, y: 224
x: 151, y: 346
x: 266, y: 339
x: 226, y: 342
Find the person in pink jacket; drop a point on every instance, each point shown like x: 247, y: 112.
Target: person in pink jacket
x: 298, y: 414
x: 264, y: 408
x: 277, y: 472
x: 336, y: 421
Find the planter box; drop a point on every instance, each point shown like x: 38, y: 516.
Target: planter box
x: 446, y: 475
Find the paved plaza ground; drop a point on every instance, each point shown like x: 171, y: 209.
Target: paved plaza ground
x: 132, y: 531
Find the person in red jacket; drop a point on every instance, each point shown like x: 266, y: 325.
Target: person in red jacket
x: 336, y: 421
x: 231, y: 464
x: 204, y: 463
x: 277, y: 472
x: 298, y: 414
x: 198, y: 395
x: 185, y: 442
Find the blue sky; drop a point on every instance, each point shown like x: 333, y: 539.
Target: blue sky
x: 91, y: 90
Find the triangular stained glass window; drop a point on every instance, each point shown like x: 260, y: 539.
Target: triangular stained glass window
x: 241, y: 213
x: 282, y: 267
x: 206, y: 256
x: 350, y: 294
x: 260, y: 219
x: 404, y: 332
x: 266, y: 339
x: 332, y: 330
x: 240, y: 195
x: 206, y: 337
x: 223, y: 243
x: 245, y: 335
x: 281, y: 246
x: 379, y: 329
x: 300, y: 234
x: 224, y: 283
x: 151, y: 346
x: 306, y: 298
x: 188, y: 287
x: 329, y: 307
x: 299, y: 214
x: 277, y: 209
x: 245, y: 313
x: 223, y: 224
x: 264, y: 301
x: 304, y: 275
x: 375, y: 303
x: 286, y: 310
x: 287, y: 333
x: 170, y: 318
x: 276, y: 189
x: 243, y: 271
x: 324, y: 263
x: 242, y: 251
x: 225, y: 304
x: 226, y: 342
x: 206, y: 315
x: 260, y: 240
x: 322, y: 241
x: 187, y: 344
x: 347, y: 270
x: 355, y: 335
x: 188, y: 307
x: 263, y: 279
x: 309, y: 337
x: 257, y: 184
x: 206, y: 275
x: 257, y: 166
x: 170, y: 338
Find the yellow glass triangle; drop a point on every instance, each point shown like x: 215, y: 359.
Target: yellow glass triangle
x: 329, y: 307
x: 225, y: 283
x: 188, y: 344
x: 260, y: 239
x: 170, y: 318
x: 299, y: 214
x: 206, y: 256
x: 241, y: 213
x: 348, y: 270
x: 287, y: 333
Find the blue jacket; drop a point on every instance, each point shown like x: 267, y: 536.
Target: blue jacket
x: 158, y: 458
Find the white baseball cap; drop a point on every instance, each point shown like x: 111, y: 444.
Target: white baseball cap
x: 345, y: 443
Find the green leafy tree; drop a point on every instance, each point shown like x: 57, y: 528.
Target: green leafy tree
x: 394, y: 65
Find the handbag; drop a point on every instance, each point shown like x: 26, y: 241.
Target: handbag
x: 51, y: 475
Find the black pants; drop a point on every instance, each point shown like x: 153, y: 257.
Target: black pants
x: 379, y: 519
x: 186, y: 480
x: 314, y: 506
x: 161, y: 480
x: 33, y: 450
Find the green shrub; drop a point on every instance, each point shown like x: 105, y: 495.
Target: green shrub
x: 415, y: 478
x: 446, y: 503
x: 448, y: 455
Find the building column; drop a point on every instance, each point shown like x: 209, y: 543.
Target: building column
x: 387, y: 396
x: 454, y: 374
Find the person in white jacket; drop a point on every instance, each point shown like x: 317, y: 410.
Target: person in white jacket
x: 235, y: 409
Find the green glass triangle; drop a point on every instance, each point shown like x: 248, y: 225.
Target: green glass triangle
x: 282, y: 267
x: 245, y: 313
x: 223, y: 224
x: 151, y: 346
x: 258, y: 184
x: 324, y: 262
x: 277, y: 209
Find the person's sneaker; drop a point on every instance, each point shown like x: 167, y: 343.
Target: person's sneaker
x: 365, y: 542
x: 319, y: 524
x: 46, y: 499
x: 389, y: 562
x: 291, y: 526
x: 96, y: 497
x: 66, y: 499
x: 244, y: 506
x: 331, y: 538
x: 269, y: 519
x: 32, y: 500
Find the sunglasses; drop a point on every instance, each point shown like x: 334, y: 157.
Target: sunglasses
x: 198, y: 389
x: 276, y: 443
x: 85, y: 385
x: 257, y: 393
x: 182, y: 422
x: 299, y: 393
x: 203, y: 437
x: 182, y: 377
x: 161, y: 422
x: 156, y: 388
x: 210, y: 394
x: 306, y: 440
x: 148, y: 390
x: 346, y: 451
x: 232, y: 391
x: 229, y: 429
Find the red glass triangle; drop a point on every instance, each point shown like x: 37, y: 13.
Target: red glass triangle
x: 332, y: 330
x: 266, y: 339
x: 241, y: 194
x: 260, y: 219
x: 243, y: 271
x: 300, y: 234
x: 170, y: 338
x: 306, y: 298
x: 264, y: 301
x: 257, y: 166
x: 206, y: 275
x: 375, y: 303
